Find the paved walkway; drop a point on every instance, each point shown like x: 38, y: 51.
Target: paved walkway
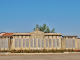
x: 42, y: 57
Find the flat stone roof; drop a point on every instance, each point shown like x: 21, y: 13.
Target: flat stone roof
x: 43, y: 33
x: 69, y: 36
x: 59, y: 34
x: 21, y: 34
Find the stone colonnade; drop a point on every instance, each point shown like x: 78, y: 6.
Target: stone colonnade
x: 28, y: 42
x: 78, y: 43
x: 69, y: 42
x: 4, y: 43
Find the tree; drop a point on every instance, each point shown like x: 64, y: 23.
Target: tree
x: 44, y: 28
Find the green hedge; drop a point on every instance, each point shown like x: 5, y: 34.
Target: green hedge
x: 40, y: 51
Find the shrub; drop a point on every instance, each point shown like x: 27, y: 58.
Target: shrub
x: 35, y: 51
x: 45, y: 51
x: 49, y: 51
x: 59, y: 51
x: 40, y: 51
x: 65, y: 50
x: 77, y: 50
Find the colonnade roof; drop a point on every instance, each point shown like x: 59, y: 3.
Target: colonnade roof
x: 45, y: 34
x: 69, y: 36
x: 21, y: 34
x: 37, y: 32
x: 53, y: 34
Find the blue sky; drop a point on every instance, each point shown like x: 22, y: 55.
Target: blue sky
x: 23, y: 15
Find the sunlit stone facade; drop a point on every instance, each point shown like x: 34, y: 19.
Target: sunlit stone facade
x: 4, y: 43
x: 38, y: 40
x: 69, y: 42
x: 78, y: 43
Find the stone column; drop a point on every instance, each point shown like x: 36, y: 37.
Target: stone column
x: 21, y: 42
x: 59, y: 42
x: 44, y: 42
x: 59, y: 38
x: 33, y: 43
x: 40, y: 43
x: 37, y: 43
x: 8, y: 43
x: 4, y: 43
x: 62, y: 43
x: 28, y: 38
x: 54, y: 42
x: 76, y: 43
x: 65, y: 43
x: 48, y: 42
x: 25, y: 42
x: 19, y: 38
x: 72, y: 43
x: 29, y: 42
x: 50, y: 38
x: 13, y: 42
x: 0, y: 43
x: 18, y: 42
x: 46, y: 38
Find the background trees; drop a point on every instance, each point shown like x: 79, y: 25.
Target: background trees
x: 44, y: 28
